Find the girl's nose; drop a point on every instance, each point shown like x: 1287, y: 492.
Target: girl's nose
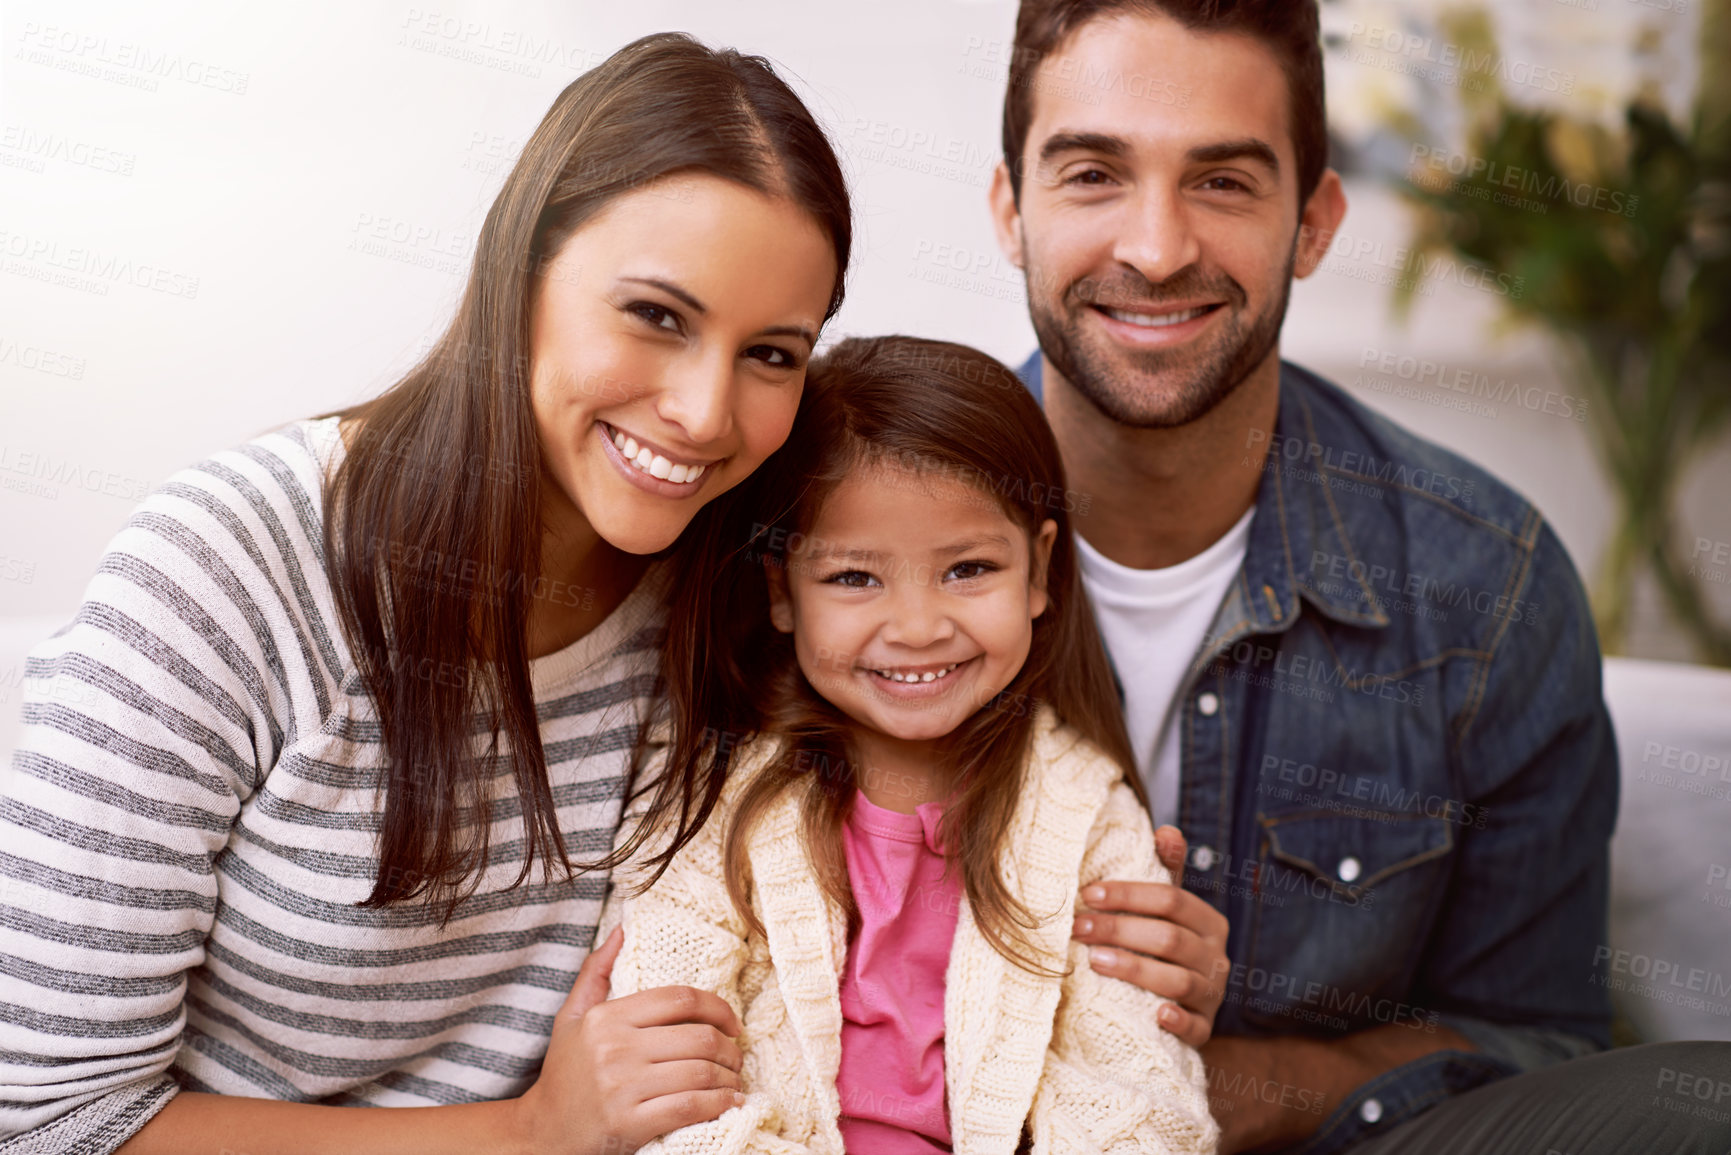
x: 917, y: 617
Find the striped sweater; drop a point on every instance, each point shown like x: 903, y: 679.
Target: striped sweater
x: 191, y: 817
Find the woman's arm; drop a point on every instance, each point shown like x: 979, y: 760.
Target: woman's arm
x: 599, y: 1092
x: 148, y: 723
x: 685, y: 930
x: 1113, y: 1080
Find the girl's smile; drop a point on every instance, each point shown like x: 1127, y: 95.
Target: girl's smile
x: 911, y: 600
x: 922, y: 682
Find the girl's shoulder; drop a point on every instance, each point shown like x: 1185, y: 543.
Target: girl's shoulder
x: 1060, y: 758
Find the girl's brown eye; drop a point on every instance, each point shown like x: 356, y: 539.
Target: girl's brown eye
x: 967, y: 570
x: 853, y: 579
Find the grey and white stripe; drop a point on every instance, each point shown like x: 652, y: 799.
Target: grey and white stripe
x: 191, y: 818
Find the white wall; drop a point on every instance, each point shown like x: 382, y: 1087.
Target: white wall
x: 237, y: 160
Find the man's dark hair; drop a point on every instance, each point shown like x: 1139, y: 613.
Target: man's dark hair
x: 1290, y: 28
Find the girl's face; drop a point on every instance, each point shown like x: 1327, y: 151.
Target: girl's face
x: 668, y: 344
x: 911, y: 601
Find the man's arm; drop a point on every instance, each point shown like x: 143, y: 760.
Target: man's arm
x: 1510, y: 959
x: 1264, y: 1092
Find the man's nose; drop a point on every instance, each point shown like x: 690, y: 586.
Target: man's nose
x: 1156, y: 238
x: 699, y: 397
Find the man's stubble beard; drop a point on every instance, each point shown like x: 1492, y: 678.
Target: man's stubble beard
x: 1216, y: 370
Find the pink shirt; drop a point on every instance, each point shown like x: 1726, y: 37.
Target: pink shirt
x: 891, y: 1079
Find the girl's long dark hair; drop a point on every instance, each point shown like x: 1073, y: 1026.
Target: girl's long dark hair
x: 933, y: 409
x: 433, y: 540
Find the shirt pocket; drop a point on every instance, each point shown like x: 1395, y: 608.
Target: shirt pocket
x: 1340, y: 908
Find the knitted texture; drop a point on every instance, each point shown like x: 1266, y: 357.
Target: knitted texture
x: 1080, y: 1059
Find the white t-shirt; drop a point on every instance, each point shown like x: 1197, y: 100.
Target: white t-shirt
x: 1153, y: 621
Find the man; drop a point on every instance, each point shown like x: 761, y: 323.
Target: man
x: 1359, y: 672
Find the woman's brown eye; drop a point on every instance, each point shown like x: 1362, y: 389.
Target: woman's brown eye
x: 658, y: 315
x: 771, y: 355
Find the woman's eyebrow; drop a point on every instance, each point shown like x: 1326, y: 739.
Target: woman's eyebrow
x: 799, y: 331
x: 671, y: 290
x: 804, y: 332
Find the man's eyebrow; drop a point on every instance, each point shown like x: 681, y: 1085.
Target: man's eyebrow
x: 1101, y: 142
x: 1250, y: 148
x: 671, y: 290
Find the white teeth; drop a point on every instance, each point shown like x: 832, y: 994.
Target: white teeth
x: 653, y: 463
x: 927, y: 676
x: 1161, y: 321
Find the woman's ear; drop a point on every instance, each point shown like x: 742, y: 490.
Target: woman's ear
x: 780, y: 604
x: 1038, y: 599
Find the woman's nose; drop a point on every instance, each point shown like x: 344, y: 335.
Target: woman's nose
x: 699, y: 398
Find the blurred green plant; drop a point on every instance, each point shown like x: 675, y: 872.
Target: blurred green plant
x: 1635, y: 281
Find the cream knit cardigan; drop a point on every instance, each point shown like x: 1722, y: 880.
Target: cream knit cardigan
x: 1080, y: 1058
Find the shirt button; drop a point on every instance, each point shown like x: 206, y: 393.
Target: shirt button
x: 1370, y: 1110
x: 1202, y: 857
x: 1208, y: 704
x: 1348, y: 871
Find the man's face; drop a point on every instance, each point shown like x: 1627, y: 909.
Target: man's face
x: 1158, y: 215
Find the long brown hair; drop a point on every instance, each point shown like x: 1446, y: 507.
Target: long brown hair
x: 931, y: 408
x: 446, y: 464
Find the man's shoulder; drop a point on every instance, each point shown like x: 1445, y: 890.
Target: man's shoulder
x: 1418, y: 525
x: 1339, y: 435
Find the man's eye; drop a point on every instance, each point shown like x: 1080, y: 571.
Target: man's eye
x: 853, y: 579
x: 1088, y: 176
x: 658, y: 315
x: 1224, y: 184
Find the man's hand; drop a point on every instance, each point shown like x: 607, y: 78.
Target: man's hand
x: 1162, y: 938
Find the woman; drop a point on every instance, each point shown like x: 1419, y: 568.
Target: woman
x: 291, y: 815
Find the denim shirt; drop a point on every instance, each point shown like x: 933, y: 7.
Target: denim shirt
x: 1398, y: 775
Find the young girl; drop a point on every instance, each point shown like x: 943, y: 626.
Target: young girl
x: 923, y: 763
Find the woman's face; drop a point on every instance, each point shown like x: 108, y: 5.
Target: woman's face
x: 668, y: 343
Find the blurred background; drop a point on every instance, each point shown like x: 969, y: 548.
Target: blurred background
x: 215, y: 219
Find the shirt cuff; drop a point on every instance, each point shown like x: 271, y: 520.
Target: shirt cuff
x: 1526, y: 1048
x: 1395, y: 1096
x: 99, y: 1126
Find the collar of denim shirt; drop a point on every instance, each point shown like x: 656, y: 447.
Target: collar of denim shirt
x: 1297, y: 516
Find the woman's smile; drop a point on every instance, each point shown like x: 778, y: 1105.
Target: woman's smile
x: 652, y: 468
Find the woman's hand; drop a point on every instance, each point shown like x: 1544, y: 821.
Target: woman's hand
x: 620, y: 1073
